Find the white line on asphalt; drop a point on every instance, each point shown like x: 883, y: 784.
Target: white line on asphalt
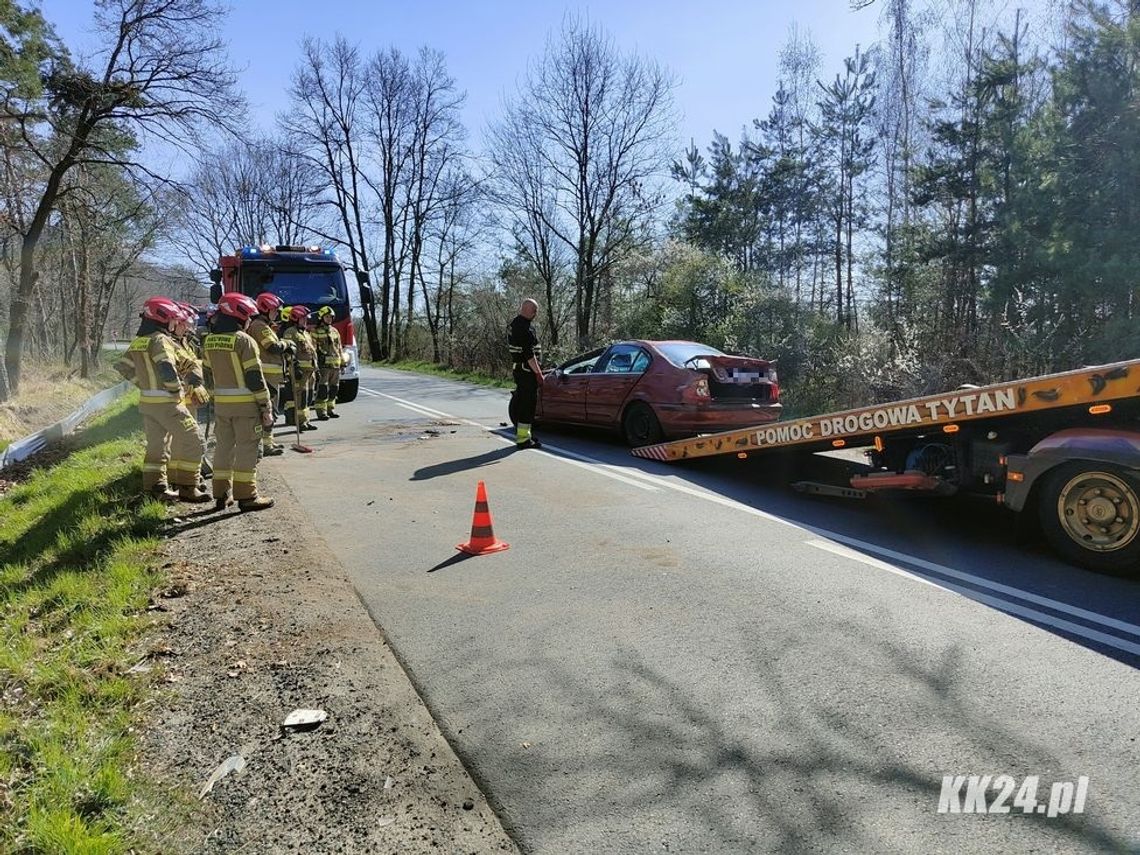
x: 437, y: 414
x: 419, y: 411
x: 884, y: 552
x: 627, y: 475
x: 996, y: 602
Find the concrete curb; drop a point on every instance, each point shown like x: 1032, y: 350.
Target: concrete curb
x: 24, y: 448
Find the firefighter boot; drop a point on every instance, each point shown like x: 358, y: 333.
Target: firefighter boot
x: 163, y: 494
x: 192, y: 495
x: 259, y: 503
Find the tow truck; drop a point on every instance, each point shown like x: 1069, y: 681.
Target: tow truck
x: 1065, y: 447
x: 301, y: 276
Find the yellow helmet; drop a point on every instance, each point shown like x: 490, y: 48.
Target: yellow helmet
x: 285, y: 311
x: 325, y: 312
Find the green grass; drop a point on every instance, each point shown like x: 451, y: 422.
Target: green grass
x: 424, y: 367
x: 76, y: 550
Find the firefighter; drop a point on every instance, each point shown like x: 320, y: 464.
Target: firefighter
x: 272, y: 352
x: 297, y: 394
x: 525, y: 355
x: 241, y: 404
x: 330, y: 359
x: 188, y: 364
x: 150, y: 363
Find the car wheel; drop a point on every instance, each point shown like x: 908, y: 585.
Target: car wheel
x: 347, y: 391
x: 640, y: 425
x: 1090, y: 513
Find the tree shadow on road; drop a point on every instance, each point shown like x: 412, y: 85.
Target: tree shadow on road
x: 793, y: 764
x: 450, y: 467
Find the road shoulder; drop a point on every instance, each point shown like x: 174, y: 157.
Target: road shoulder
x: 262, y: 620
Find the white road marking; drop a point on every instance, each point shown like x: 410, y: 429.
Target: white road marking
x: 419, y: 411
x: 996, y: 602
x: 582, y: 462
x: 644, y: 480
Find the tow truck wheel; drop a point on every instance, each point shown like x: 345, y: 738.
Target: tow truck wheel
x: 640, y: 425
x: 347, y: 391
x: 1090, y: 513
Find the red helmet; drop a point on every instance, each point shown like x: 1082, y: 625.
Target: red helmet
x: 189, y: 312
x: 297, y: 314
x: 268, y: 303
x: 237, y: 306
x: 162, y: 310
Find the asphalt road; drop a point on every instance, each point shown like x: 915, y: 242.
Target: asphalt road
x: 698, y: 660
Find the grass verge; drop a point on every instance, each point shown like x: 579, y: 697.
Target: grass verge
x: 424, y: 367
x: 76, y: 550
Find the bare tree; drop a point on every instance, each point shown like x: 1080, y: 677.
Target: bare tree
x: 326, y: 127
x: 523, y: 193
x: 160, y: 74
x: 248, y: 193
x: 391, y: 131
x: 600, y: 124
x: 436, y: 155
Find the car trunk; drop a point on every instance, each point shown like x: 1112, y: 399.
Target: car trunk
x: 739, y: 378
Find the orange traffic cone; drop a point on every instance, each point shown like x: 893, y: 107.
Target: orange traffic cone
x: 483, y: 541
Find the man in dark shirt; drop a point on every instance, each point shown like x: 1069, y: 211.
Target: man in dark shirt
x: 525, y: 355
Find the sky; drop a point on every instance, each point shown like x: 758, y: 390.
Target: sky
x: 724, y: 53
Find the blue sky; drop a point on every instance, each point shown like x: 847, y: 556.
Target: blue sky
x: 725, y: 53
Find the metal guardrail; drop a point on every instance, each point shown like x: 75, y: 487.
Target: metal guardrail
x: 24, y: 448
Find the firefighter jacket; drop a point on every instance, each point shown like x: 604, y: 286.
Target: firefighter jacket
x: 306, y: 349
x: 188, y: 361
x: 330, y: 353
x: 150, y: 363
x: 522, y: 342
x: 270, y: 349
x: 233, y: 365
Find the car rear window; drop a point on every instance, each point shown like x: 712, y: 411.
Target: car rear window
x: 681, y: 352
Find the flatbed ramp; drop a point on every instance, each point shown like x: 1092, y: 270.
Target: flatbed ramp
x: 1072, y: 395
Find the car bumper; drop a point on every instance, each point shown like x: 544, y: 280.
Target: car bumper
x: 686, y: 419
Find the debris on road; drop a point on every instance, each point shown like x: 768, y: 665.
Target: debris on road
x: 234, y: 763
x: 303, y: 720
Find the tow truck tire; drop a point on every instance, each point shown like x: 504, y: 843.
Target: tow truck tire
x: 640, y: 426
x: 1090, y: 513
x: 347, y: 391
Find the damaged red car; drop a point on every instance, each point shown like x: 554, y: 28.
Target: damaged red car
x: 656, y: 390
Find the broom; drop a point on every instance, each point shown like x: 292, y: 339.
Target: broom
x: 294, y: 375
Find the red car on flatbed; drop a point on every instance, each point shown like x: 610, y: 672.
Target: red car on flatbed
x: 654, y: 390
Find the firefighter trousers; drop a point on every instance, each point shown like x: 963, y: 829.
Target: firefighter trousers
x: 168, y: 422
x: 300, y: 391
x: 235, y: 456
x: 274, y: 401
x: 328, y: 385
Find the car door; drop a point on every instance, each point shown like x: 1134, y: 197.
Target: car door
x: 617, y: 372
x: 563, y: 395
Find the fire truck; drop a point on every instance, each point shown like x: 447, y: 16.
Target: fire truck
x: 301, y: 276
x: 1063, y: 447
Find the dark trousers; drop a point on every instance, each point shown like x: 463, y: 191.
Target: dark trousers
x: 526, y: 395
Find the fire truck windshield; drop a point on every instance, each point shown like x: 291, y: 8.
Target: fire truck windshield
x: 314, y: 286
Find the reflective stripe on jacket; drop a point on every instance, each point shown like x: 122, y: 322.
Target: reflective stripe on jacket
x: 239, y: 385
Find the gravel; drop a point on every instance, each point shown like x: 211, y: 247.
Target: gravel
x: 261, y: 620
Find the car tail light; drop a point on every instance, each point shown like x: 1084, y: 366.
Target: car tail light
x: 698, y: 390
x: 774, y: 394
